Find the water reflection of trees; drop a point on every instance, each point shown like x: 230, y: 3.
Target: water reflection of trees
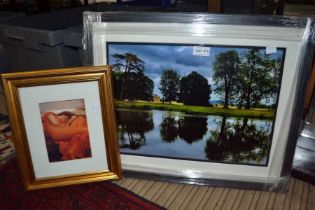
x: 192, y: 129
x: 169, y: 129
x: 188, y: 128
x: 238, y: 142
x: 131, y: 128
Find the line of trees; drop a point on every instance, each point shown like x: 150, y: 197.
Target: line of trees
x: 246, y: 80
x: 192, y: 89
x: 130, y: 83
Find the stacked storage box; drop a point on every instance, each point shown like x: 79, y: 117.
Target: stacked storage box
x: 4, y: 64
x: 36, y: 42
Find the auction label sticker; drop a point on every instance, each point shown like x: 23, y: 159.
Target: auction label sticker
x: 271, y: 50
x: 201, y: 51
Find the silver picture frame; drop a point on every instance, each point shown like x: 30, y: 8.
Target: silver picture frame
x: 269, y: 34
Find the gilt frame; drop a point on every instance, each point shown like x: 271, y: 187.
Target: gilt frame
x: 14, y: 83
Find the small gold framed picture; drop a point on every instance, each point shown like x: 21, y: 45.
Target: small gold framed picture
x: 63, y: 126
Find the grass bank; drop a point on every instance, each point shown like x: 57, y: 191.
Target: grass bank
x: 252, y: 113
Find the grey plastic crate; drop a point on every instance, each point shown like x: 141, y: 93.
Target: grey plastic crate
x: 73, y: 39
x: 42, y: 41
x: 73, y: 35
x: 36, y: 42
x: 4, y: 64
x: 5, y: 15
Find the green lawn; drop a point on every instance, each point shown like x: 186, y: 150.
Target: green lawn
x: 252, y: 113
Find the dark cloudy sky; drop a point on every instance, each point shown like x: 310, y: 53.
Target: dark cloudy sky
x: 178, y: 57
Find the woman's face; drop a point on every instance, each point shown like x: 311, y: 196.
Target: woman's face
x: 63, y: 119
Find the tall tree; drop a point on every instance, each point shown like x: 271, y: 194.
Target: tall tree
x: 195, y: 90
x: 226, y: 66
x: 129, y: 79
x: 117, y: 77
x: 258, y: 79
x: 138, y: 87
x: 126, y: 64
x: 145, y: 91
x: 273, y: 76
x: 170, y: 85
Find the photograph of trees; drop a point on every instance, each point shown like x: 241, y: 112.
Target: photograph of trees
x: 173, y: 103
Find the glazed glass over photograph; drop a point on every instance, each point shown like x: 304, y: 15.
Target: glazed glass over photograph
x: 204, y: 98
x: 203, y: 103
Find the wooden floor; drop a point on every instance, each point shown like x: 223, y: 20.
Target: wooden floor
x: 301, y: 195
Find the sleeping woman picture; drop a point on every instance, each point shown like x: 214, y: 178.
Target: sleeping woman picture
x: 66, y: 130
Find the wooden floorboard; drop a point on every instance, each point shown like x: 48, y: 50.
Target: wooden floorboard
x: 263, y: 201
x: 311, y: 199
x: 173, y: 196
x: 271, y: 201
x: 237, y: 202
x: 300, y: 196
x: 167, y: 193
x: 206, y: 198
x: 198, y: 197
x: 281, y: 197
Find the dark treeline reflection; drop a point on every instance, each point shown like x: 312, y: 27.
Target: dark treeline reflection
x: 240, y: 141
x: 187, y: 128
x: 132, y: 125
x: 169, y: 129
x: 212, y: 138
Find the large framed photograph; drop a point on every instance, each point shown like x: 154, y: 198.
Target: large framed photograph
x: 222, y: 110
x: 63, y: 126
x: 202, y: 97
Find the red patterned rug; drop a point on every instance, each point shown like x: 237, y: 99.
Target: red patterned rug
x: 100, y: 195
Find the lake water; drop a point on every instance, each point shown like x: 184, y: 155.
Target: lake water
x: 194, y: 137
